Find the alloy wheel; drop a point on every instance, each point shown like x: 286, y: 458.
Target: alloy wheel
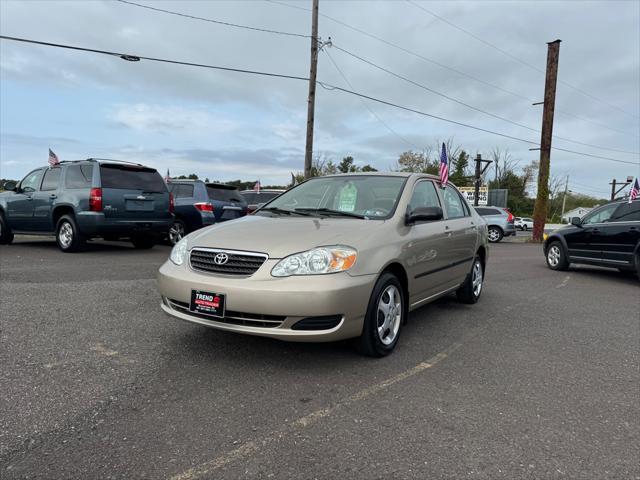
x: 65, y: 235
x: 176, y: 233
x: 476, y: 278
x: 553, y: 256
x: 493, y: 235
x: 389, y: 314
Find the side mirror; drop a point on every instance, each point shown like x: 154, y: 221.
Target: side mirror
x: 424, y: 214
x: 576, y: 221
x: 10, y: 186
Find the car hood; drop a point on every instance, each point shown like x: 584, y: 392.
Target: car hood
x: 280, y: 236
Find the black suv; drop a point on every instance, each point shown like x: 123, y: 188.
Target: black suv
x: 80, y: 200
x: 199, y: 204
x: 608, y: 236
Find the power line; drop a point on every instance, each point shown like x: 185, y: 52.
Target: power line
x: 210, y: 20
x: 367, y: 106
x: 446, y: 67
x: 327, y: 86
x: 517, y: 59
x: 460, y: 102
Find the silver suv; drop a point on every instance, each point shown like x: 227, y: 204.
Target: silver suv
x: 500, y: 222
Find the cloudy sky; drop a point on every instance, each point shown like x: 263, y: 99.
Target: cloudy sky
x: 226, y: 125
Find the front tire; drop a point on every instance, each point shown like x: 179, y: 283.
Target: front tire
x: 386, y: 313
x: 471, y: 289
x: 556, y: 257
x: 6, y: 235
x: 495, y: 234
x: 68, y: 236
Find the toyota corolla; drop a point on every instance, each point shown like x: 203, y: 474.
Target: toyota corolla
x: 337, y: 257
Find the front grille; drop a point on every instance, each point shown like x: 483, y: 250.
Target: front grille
x: 230, y: 316
x: 238, y: 263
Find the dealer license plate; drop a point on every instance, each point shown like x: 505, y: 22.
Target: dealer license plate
x: 207, y: 303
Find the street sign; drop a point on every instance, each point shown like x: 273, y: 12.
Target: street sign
x: 469, y: 194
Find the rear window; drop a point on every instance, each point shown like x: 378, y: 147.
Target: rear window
x: 78, y: 176
x: 224, y: 194
x: 51, y: 179
x: 487, y: 211
x: 255, y: 197
x: 181, y: 190
x: 131, y: 178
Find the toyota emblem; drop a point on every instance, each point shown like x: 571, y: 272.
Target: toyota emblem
x: 221, y: 259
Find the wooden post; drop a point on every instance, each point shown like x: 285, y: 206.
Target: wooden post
x: 308, y: 153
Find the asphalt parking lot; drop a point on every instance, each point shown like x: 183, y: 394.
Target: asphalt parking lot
x: 540, y: 379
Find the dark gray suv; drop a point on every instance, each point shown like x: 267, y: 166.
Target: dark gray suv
x: 80, y: 200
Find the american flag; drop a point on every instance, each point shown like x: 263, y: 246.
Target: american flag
x: 256, y: 187
x: 635, y: 191
x: 444, y: 167
x: 53, y: 159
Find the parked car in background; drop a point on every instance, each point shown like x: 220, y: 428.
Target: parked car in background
x: 80, y: 200
x: 335, y: 257
x: 500, y: 222
x: 523, y: 223
x: 257, y: 198
x: 199, y: 204
x: 608, y: 236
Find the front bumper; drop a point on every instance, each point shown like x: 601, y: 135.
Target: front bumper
x: 260, y: 296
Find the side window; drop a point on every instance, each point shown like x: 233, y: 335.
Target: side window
x: 453, y: 204
x: 627, y: 212
x: 424, y: 195
x: 31, y: 182
x: 51, y: 179
x: 601, y: 215
x: 78, y: 176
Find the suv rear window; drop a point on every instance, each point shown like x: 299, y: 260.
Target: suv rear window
x: 627, y: 212
x: 255, y: 197
x: 78, y: 176
x: 224, y: 194
x: 127, y: 177
x: 181, y: 190
x: 487, y: 211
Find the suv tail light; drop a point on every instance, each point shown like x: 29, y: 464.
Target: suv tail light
x: 204, y: 206
x: 172, y: 203
x: 95, y: 200
x: 510, y: 217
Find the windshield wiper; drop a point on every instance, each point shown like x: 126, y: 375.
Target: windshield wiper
x: 330, y: 211
x: 283, y: 211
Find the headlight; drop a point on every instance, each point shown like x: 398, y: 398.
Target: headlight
x: 316, y: 262
x: 178, y: 252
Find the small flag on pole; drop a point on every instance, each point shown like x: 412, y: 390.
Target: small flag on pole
x: 294, y: 180
x: 53, y: 159
x: 444, y: 167
x: 635, y: 191
x: 256, y: 187
x: 167, y: 176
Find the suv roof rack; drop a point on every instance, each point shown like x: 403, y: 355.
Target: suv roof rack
x: 93, y: 159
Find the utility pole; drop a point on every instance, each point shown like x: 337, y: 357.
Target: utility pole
x: 564, y: 198
x: 308, y: 153
x: 479, y: 171
x: 542, y: 198
x: 623, y: 184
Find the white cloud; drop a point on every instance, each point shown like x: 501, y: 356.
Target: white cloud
x: 167, y: 119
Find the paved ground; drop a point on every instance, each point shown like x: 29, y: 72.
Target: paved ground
x: 539, y: 380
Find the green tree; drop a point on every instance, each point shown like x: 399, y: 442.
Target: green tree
x: 368, y: 168
x: 416, y: 162
x: 459, y: 175
x: 347, y: 165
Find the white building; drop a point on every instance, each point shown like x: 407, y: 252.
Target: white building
x: 576, y: 212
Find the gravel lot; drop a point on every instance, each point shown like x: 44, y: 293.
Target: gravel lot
x: 540, y: 379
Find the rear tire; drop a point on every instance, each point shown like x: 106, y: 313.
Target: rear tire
x: 525, y: 228
x: 143, y: 243
x: 6, y: 235
x: 556, y: 257
x: 495, y: 234
x: 68, y: 236
x: 471, y: 289
x: 386, y: 313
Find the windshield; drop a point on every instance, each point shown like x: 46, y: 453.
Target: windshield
x: 374, y: 197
